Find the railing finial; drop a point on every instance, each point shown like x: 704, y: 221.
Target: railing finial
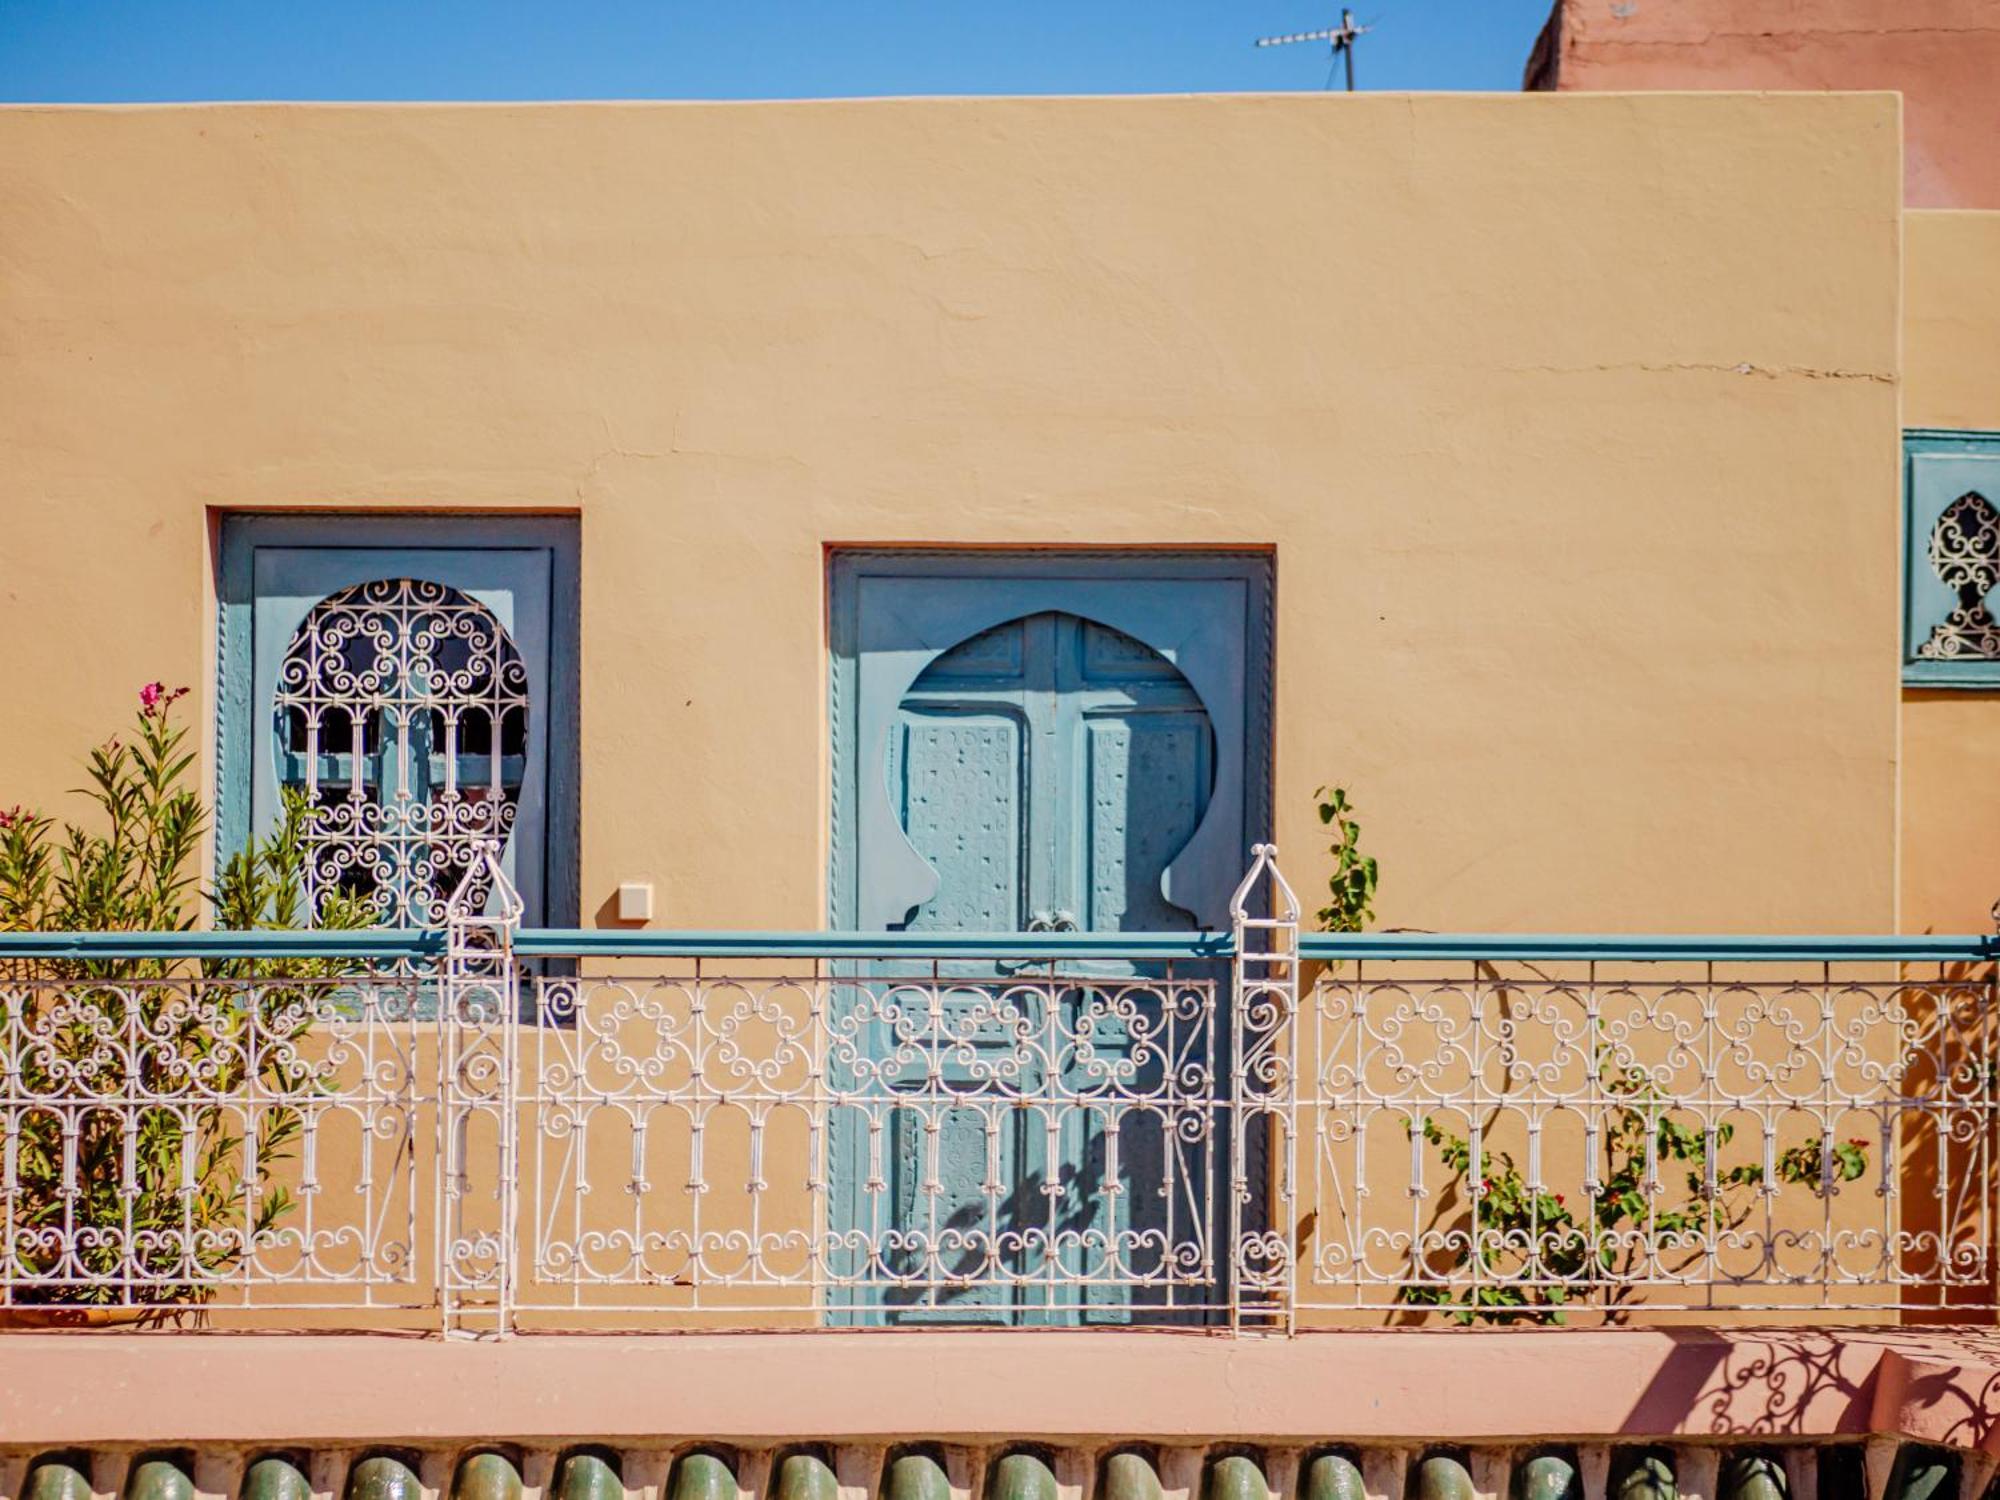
x: 485, y: 884
x: 1264, y: 863
x: 479, y: 1042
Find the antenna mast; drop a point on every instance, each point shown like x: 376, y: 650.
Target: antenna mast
x: 1342, y: 38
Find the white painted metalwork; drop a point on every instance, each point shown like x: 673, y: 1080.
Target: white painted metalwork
x: 1964, y: 552
x: 839, y: 1127
x: 237, y: 1132
x: 479, y: 1071
x: 1509, y: 1141
x: 878, y: 1140
x: 1264, y: 914
x: 403, y: 715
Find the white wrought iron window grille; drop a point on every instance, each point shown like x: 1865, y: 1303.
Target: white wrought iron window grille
x: 1964, y: 553
x: 402, y: 714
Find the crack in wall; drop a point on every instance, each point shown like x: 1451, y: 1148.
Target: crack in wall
x: 1743, y: 367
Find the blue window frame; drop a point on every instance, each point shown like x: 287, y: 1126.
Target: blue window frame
x: 1951, y: 558
x: 415, y: 678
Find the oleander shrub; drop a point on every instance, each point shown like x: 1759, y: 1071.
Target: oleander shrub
x: 132, y: 1081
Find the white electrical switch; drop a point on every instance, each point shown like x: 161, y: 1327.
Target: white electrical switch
x: 635, y: 901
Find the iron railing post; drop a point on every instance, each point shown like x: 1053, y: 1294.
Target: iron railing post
x: 479, y: 1007
x: 1264, y: 993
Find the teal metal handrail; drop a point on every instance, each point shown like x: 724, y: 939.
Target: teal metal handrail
x: 377, y: 942
x: 1651, y: 948
x: 578, y: 942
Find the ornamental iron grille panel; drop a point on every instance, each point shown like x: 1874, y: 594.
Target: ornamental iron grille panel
x: 402, y: 716
x: 1964, y: 552
x: 1504, y: 1141
x: 686, y: 1127
x: 479, y: 1077
x: 1264, y: 1003
x: 1404, y: 1127
x: 230, y: 1133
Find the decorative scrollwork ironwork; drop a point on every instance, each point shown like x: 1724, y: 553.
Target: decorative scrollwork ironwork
x: 1965, y: 554
x: 209, y: 1140
x: 1525, y: 1145
x: 1028, y: 1142
x: 402, y: 713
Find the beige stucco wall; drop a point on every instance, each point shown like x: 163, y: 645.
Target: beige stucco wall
x: 1533, y: 397
x: 1951, y: 320
x: 1951, y: 740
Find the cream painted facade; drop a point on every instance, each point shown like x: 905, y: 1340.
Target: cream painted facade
x: 1569, y: 420
x: 1951, y: 739
x: 1935, y: 54
x: 1572, y: 427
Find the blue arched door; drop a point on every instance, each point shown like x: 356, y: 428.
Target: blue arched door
x: 1048, y: 771
x: 1036, y: 753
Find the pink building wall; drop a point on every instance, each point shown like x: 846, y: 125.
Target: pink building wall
x: 1942, y: 55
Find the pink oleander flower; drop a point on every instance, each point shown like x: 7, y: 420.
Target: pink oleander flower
x: 154, y: 699
x: 8, y: 815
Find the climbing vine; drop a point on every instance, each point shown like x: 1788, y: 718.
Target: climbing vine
x: 1519, y: 1252
x: 1350, y: 905
x: 1511, y: 1226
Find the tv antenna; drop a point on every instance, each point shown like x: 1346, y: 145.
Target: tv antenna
x: 1342, y: 38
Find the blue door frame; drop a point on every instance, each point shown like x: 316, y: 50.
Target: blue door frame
x: 894, y: 615
x: 894, y: 612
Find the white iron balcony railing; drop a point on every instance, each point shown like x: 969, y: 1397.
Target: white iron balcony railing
x: 512, y: 1128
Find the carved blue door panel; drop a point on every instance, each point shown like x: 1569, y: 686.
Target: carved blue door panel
x: 1054, y: 765
x: 413, y: 679
x: 1049, y: 771
x: 1203, y: 620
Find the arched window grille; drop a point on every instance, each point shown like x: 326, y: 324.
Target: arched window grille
x: 1964, y: 552
x: 402, y: 715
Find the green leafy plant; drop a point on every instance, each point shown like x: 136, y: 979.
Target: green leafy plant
x: 148, y: 1200
x: 1584, y: 1251
x: 1593, y: 1251
x: 131, y: 874
x: 1350, y: 903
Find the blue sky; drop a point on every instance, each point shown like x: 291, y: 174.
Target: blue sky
x: 116, y: 50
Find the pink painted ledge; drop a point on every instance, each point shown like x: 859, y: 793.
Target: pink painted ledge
x: 1939, y: 1386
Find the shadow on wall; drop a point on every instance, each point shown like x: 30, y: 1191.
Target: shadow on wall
x: 1822, y: 1383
